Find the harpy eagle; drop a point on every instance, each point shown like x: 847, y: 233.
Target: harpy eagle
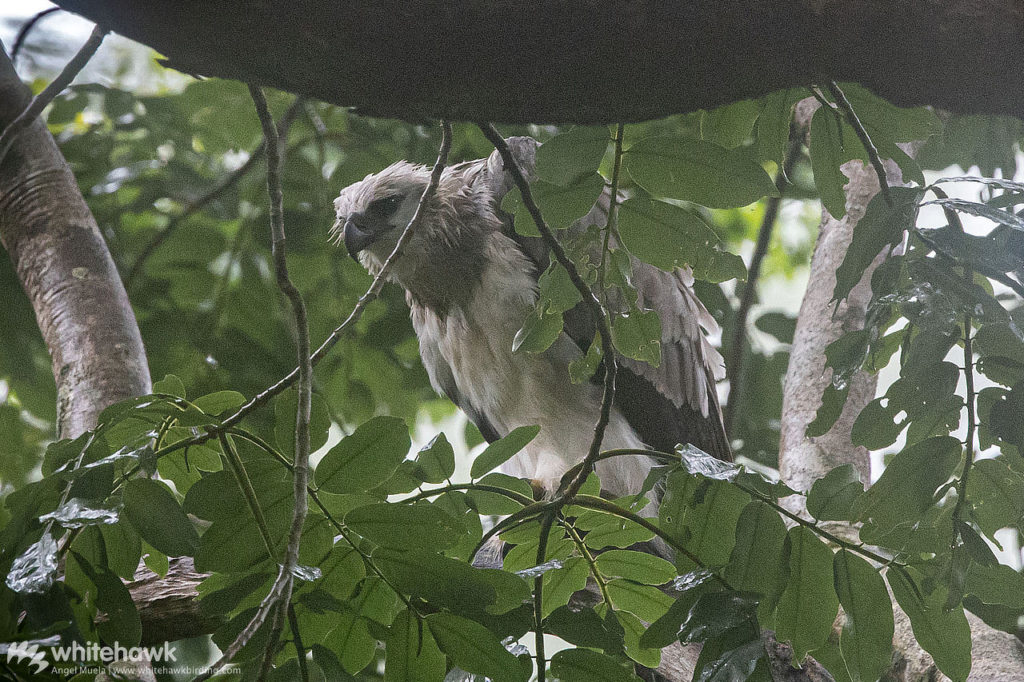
x: 471, y: 281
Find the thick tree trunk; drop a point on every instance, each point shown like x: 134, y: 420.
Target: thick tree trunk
x: 67, y: 272
x: 997, y: 656
x: 586, y: 61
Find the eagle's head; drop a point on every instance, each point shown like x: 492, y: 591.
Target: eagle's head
x: 372, y: 213
x: 445, y: 254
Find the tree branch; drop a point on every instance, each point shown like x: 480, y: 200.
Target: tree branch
x: 66, y: 270
x: 452, y: 59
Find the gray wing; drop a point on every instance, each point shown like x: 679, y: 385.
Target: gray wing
x: 675, y: 402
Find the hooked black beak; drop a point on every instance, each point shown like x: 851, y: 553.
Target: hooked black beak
x: 356, y: 239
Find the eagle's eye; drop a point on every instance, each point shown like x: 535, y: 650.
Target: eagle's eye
x: 386, y: 206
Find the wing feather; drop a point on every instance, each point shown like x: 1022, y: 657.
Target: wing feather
x: 676, y: 402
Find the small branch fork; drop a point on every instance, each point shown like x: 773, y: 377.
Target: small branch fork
x: 63, y: 80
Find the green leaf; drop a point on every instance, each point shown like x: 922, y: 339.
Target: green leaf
x: 697, y: 171
x: 284, y: 423
x: 637, y: 335
x: 118, y: 620
x: 735, y: 663
x: 473, y: 648
x: 900, y: 124
x: 943, y: 633
x: 158, y: 518
x: 539, y: 331
x: 876, y: 426
x: 561, y: 583
x: 827, y: 157
x: 703, y: 516
x: 998, y: 584
x: 808, y: 605
x: 436, y: 460
x: 412, y: 654
x: 665, y: 630
x: 124, y: 549
x: 556, y: 289
x: 499, y: 452
x: 170, y: 385
x: 583, y: 628
x: 403, y: 526
x: 866, y: 640
x: 366, y: 458
x: 638, y: 566
x: 758, y: 560
x: 584, y: 665
x: 560, y: 206
x: 773, y: 125
x: 996, y: 492
x: 833, y: 495
x: 437, y: 579
x: 832, y: 402
x: 669, y: 237
x: 486, y: 502
x: 908, y: 484
x: 352, y: 641
x: 729, y: 125
x: 569, y: 155
x: 219, y: 402
x: 882, y: 225
x: 644, y: 601
x: 715, y: 613
x: 779, y: 325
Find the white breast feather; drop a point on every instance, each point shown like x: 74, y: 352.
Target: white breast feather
x: 518, y: 389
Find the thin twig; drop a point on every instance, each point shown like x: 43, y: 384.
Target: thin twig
x: 276, y: 627
x: 590, y: 300
x: 602, y: 584
x: 245, y: 486
x: 764, y: 237
x: 63, y: 80
x: 19, y: 42
x: 538, y: 595
x: 300, y: 650
x: 213, y: 194
x: 865, y: 139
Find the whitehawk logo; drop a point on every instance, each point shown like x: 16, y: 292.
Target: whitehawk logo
x: 18, y: 651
